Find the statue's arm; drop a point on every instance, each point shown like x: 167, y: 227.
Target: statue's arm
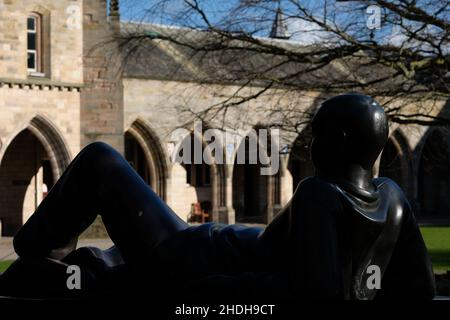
x: 318, y: 247
x: 409, y: 273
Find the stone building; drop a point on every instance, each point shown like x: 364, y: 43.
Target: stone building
x: 62, y: 87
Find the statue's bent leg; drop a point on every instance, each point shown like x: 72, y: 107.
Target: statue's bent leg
x: 99, y: 181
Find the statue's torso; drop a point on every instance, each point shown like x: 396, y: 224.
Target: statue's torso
x: 373, y: 229
x: 367, y: 230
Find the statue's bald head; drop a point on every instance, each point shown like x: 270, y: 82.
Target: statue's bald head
x: 349, y: 128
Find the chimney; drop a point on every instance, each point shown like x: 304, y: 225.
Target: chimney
x: 114, y: 11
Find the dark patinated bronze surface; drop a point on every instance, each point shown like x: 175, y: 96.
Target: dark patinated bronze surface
x: 338, y: 223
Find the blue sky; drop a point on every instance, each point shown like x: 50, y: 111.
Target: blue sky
x: 217, y: 11
x: 135, y: 9
x: 221, y: 10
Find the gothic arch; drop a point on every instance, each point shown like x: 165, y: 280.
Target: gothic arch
x: 256, y: 198
x: 396, y: 162
x: 31, y: 162
x: 217, y: 176
x: 299, y: 163
x: 434, y: 175
x: 52, y: 140
x: 156, y: 159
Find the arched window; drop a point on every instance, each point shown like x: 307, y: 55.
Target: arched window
x: 434, y: 176
x: 197, y: 175
x: 34, y: 43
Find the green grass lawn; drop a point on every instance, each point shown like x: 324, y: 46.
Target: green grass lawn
x: 4, y: 265
x: 437, y: 240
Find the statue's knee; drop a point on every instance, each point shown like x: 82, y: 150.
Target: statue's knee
x: 100, y: 154
x: 97, y: 147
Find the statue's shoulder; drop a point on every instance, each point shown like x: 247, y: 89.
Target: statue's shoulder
x: 389, y: 184
x: 313, y: 182
x: 393, y: 191
x: 317, y: 183
x: 316, y: 188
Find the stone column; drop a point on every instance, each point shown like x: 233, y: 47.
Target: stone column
x: 226, y: 211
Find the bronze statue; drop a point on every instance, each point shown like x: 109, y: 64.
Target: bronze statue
x: 338, y: 223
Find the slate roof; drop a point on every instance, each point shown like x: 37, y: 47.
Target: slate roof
x: 158, y: 59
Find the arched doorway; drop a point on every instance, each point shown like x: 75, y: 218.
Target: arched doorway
x: 300, y: 165
x: 146, y: 155
x: 199, y: 179
x: 29, y: 166
x: 251, y: 188
x: 26, y: 175
x: 434, y: 176
x: 136, y: 157
x: 199, y: 193
x: 395, y: 162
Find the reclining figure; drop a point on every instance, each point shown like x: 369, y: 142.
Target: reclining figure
x: 339, y: 225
